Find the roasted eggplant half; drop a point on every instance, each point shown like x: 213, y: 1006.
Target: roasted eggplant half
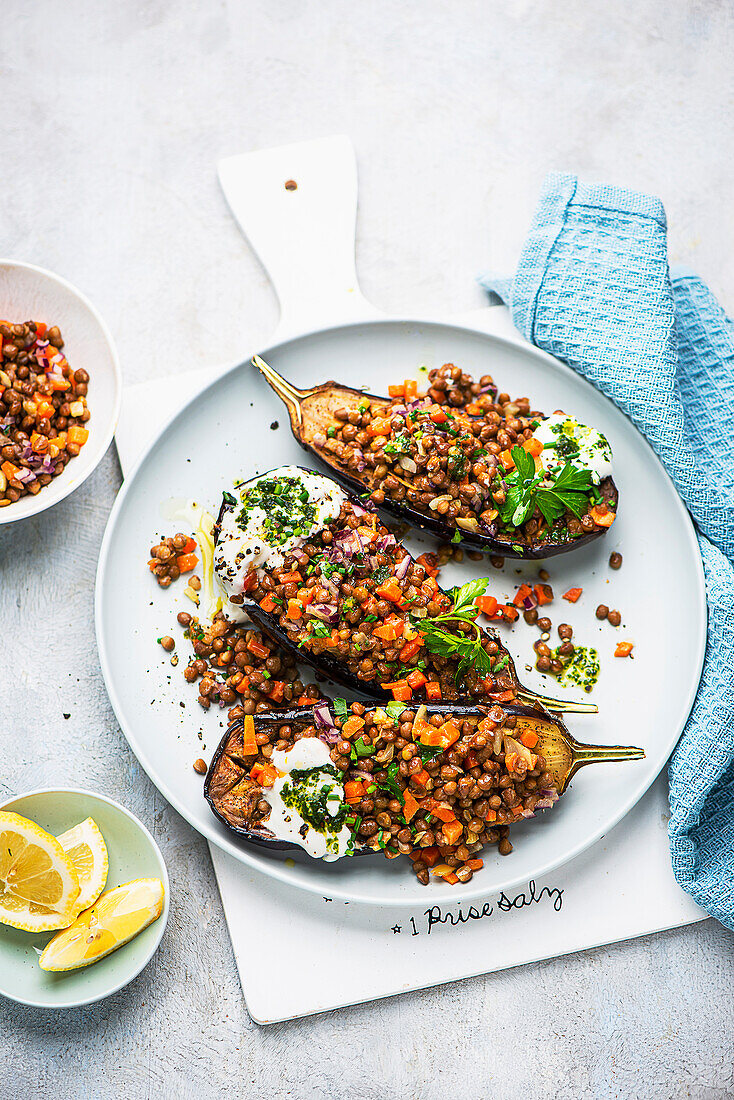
x: 466, y: 466
x: 325, y: 578
x: 353, y: 775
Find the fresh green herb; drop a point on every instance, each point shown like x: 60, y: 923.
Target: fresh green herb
x: 502, y: 663
x: 360, y: 748
x: 340, y: 708
x: 229, y: 498
x: 394, y: 709
x: 285, y: 502
x: 331, y: 432
x: 370, y: 618
x: 398, y: 445
x: 427, y: 753
x: 319, y: 629
x: 456, y: 537
x: 527, y: 490
x: 444, y: 642
x: 391, y: 785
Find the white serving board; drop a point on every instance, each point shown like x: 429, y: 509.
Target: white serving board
x: 620, y: 888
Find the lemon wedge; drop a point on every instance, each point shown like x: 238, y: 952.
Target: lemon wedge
x: 85, y: 847
x: 112, y: 921
x: 38, y: 883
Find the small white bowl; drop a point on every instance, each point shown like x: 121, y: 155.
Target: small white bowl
x: 133, y: 853
x: 29, y: 293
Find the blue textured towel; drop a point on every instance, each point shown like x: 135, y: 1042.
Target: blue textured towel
x: 593, y: 288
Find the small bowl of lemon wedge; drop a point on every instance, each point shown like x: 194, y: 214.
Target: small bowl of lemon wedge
x: 83, y: 898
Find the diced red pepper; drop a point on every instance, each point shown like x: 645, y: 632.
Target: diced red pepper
x: 267, y: 603
x: 401, y: 690
x: 543, y: 594
x: 572, y: 595
x: 257, y: 649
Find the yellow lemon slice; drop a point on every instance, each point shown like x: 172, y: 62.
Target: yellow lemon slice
x: 38, y: 883
x: 85, y: 847
x: 113, y: 920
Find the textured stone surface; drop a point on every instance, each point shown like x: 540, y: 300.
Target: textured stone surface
x: 113, y: 118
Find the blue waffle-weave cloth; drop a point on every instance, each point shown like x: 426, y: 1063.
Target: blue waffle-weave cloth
x: 594, y: 289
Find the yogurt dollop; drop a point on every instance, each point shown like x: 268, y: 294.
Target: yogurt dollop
x: 307, y: 801
x: 269, y: 517
x: 565, y: 440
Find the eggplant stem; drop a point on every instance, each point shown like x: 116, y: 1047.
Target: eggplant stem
x: 287, y: 392
x: 561, y: 706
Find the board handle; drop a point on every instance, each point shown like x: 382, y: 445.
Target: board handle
x: 297, y: 205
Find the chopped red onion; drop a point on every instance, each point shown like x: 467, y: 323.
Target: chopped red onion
x: 327, y: 612
x: 529, y: 602
x: 364, y: 775
x: 363, y: 510
x: 25, y: 476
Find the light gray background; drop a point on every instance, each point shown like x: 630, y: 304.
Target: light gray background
x: 113, y: 116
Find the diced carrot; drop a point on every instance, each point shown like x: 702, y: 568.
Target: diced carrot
x: 442, y: 811
x: 391, y: 591
x: 429, y: 586
x: 354, y: 792
x: 243, y: 685
x: 507, y: 460
x: 332, y: 640
x: 189, y: 546
x: 438, y: 416
x: 428, y: 855
x: 624, y: 649
x: 510, y: 614
x: 410, y: 806
x: 389, y: 631
x: 510, y: 761
x: 433, y: 691
x: 41, y: 328
x: 401, y: 690
x: 396, y: 391
x: 264, y: 774
x: 410, y: 649
x: 277, y: 689
x: 487, y: 605
x: 429, y: 561
x: 295, y: 610
x: 378, y: 426
x: 352, y: 725
x: 77, y: 435
x: 602, y: 516
x: 529, y: 739
x: 294, y: 577
x: 473, y: 409
x: 10, y: 470
x: 445, y: 872
x: 187, y: 562
x: 410, y: 388
x: 416, y: 679
x: 516, y: 810
x: 452, y: 830
x: 39, y: 443
x: 59, y: 384
x: 502, y: 696
x: 543, y: 594
x: 572, y: 595
x: 257, y: 648
x: 249, y: 744
x: 440, y: 736
x: 421, y: 777
x: 533, y: 446
x: 491, y: 815
x: 521, y: 595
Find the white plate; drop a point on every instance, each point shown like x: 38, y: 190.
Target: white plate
x: 225, y: 433
x: 32, y: 293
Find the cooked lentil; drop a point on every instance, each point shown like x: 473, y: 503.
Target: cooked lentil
x: 43, y: 409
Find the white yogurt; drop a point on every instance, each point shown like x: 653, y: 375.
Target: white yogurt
x: 583, y: 447
x: 247, y: 537
x: 285, y: 821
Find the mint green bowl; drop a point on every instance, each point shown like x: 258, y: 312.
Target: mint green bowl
x: 132, y: 854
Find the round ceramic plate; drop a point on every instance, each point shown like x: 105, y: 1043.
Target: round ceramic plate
x: 229, y: 431
x: 32, y: 293
x: 132, y: 854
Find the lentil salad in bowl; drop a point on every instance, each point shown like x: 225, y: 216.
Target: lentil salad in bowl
x: 60, y: 389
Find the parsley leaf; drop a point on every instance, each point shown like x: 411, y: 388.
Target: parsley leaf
x: 340, y: 708
x: 440, y: 639
x: 567, y: 491
x: 395, y: 709
x: 391, y: 785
